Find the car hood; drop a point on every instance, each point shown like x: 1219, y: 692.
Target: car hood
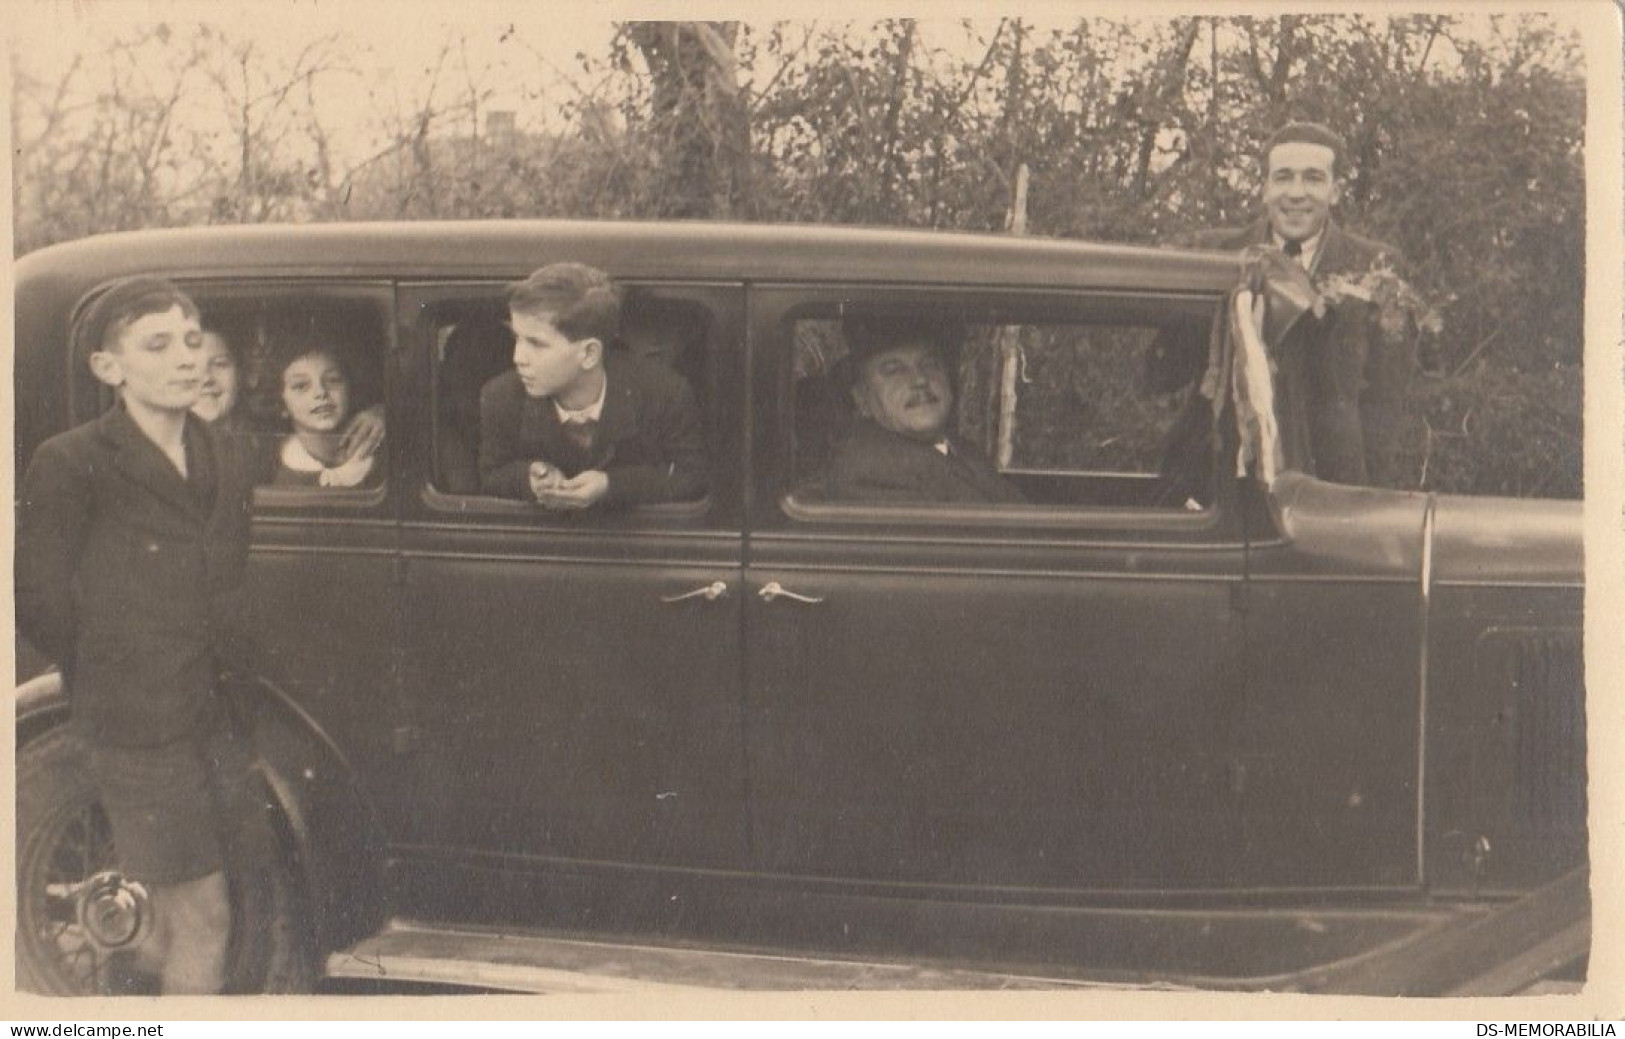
x: 1341, y: 529
x: 1508, y: 540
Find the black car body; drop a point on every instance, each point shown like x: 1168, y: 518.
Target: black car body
x: 1297, y: 736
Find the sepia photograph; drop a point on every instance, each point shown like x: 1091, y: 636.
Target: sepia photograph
x: 1053, y: 500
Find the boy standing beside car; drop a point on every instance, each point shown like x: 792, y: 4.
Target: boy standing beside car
x: 132, y: 538
x: 576, y: 425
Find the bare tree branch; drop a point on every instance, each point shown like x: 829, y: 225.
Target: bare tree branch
x: 1170, y: 85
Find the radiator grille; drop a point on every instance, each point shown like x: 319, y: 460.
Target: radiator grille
x: 1543, y: 671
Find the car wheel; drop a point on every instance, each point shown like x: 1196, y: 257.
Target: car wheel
x: 64, y: 843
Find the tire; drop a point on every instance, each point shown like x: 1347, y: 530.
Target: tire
x: 63, y: 839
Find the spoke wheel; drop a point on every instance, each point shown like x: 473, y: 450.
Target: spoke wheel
x: 64, y: 841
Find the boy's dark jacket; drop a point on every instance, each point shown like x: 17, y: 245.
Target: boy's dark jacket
x: 649, y: 439
x: 128, y: 581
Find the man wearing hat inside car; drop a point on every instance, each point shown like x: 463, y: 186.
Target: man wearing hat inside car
x: 899, y: 448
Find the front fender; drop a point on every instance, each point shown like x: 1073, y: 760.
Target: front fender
x: 332, y: 834
x: 41, y: 703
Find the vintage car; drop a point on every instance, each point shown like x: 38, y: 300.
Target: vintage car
x: 1161, y: 725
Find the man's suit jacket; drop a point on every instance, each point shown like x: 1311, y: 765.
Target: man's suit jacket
x: 1342, y: 383
x: 130, y: 581
x: 649, y: 439
x: 873, y: 464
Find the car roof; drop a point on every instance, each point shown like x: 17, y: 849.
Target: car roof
x: 671, y: 250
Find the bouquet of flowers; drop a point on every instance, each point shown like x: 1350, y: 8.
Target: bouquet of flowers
x: 1291, y: 292
x: 1398, y: 304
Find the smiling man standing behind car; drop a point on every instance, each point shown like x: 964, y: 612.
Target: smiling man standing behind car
x: 1343, y: 379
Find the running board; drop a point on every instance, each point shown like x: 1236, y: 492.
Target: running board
x: 409, y: 952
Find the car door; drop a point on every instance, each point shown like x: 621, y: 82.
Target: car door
x: 572, y: 681
x: 1336, y: 698
x: 321, y: 576
x: 1012, y: 695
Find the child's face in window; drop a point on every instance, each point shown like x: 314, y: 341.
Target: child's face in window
x: 218, y: 394
x: 156, y: 362
x: 549, y: 362
x: 315, y: 393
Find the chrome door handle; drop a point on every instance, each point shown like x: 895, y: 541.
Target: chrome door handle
x: 710, y: 593
x: 774, y: 590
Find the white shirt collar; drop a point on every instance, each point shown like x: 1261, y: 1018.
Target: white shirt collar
x: 590, y: 413
x: 1311, y: 247
x: 297, y: 457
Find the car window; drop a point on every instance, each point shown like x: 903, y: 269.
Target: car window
x: 307, y: 363
x: 472, y: 347
x: 1062, y: 408
x: 1074, y: 400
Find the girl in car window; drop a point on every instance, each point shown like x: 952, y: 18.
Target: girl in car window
x: 317, y: 402
x: 222, y: 392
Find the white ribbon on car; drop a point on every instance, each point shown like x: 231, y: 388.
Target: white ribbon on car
x: 1274, y: 292
x: 1253, y: 388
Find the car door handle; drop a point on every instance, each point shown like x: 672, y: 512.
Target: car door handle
x: 774, y: 590
x: 710, y: 593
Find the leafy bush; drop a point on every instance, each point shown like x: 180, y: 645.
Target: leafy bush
x: 1465, y: 138
x: 1495, y: 431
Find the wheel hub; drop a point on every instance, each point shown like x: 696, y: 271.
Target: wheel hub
x: 114, y: 912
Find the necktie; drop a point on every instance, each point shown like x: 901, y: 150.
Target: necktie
x: 581, y: 433
x: 1294, y: 249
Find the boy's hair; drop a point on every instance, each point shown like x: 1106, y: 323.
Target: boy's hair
x: 120, y: 303
x: 1309, y: 133
x: 581, y: 301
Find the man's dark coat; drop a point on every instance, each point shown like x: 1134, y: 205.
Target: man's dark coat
x: 129, y: 575
x: 649, y: 439
x: 873, y: 464
x: 1342, y: 383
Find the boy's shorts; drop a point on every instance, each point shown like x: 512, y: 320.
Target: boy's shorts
x: 174, y: 808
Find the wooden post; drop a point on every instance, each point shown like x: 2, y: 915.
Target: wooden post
x: 1010, y: 339
x: 1016, y: 222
